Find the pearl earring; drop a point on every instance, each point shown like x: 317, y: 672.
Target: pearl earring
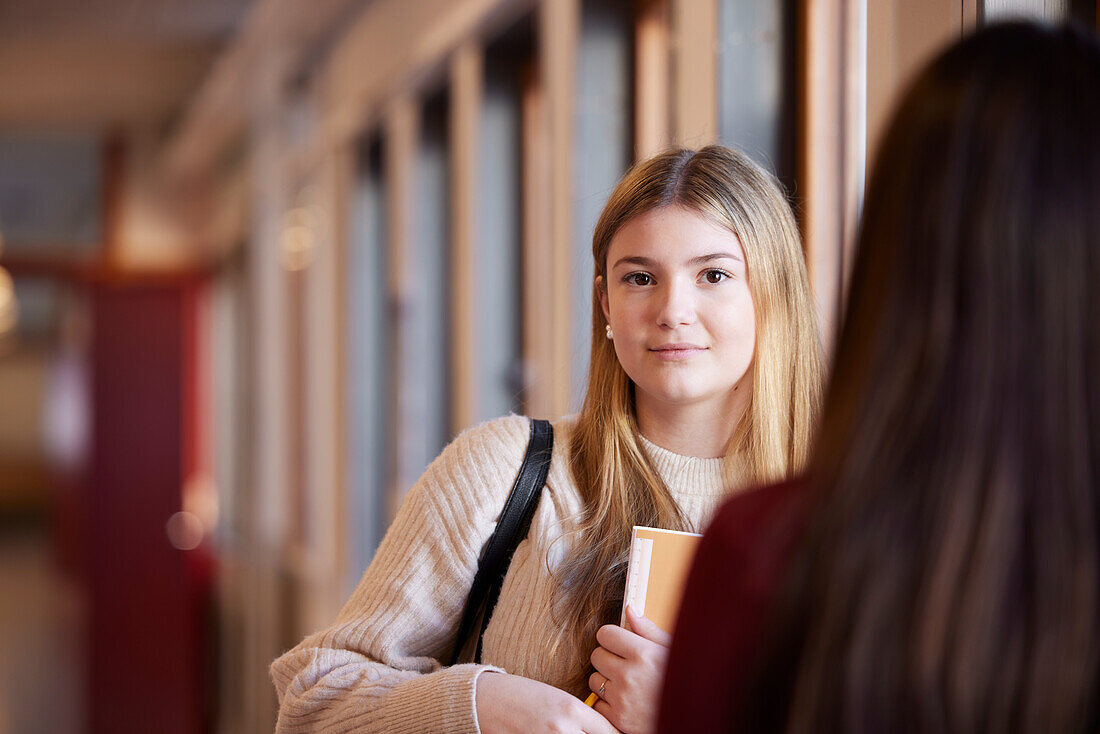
x: 609, y: 334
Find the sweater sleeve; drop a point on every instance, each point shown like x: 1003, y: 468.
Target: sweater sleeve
x: 377, y: 668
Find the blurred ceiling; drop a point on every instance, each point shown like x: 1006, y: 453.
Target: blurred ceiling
x: 96, y: 64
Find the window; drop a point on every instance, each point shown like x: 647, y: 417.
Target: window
x: 369, y: 380
x: 499, y: 273
x: 756, y: 81
x: 603, y: 150
x: 426, y: 363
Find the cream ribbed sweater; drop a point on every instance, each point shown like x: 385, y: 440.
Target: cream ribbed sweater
x: 377, y: 668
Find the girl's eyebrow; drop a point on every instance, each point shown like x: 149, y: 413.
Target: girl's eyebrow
x: 646, y: 262
x: 714, y: 256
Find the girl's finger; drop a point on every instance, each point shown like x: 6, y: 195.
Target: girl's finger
x: 603, y: 708
x: 606, y: 662
x: 618, y: 640
x: 647, y: 628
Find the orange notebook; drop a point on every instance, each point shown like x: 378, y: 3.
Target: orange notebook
x: 658, y: 569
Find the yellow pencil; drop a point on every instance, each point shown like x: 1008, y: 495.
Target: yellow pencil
x: 591, y: 700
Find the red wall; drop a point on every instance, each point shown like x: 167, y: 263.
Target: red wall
x: 148, y: 600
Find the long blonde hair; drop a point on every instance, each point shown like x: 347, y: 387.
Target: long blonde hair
x: 618, y: 483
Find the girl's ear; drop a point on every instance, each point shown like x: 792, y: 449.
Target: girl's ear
x: 601, y: 288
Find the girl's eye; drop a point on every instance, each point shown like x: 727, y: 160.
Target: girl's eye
x: 715, y: 276
x: 639, y: 279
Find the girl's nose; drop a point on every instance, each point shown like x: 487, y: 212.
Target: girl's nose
x: 677, y: 306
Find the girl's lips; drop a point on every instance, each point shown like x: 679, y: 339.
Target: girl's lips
x: 677, y: 352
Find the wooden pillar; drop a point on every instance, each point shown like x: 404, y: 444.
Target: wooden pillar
x: 901, y: 38
x: 651, y: 91
x: 971, y: 14
x: 831, y: 146
x: 340, y: 172
x: 559, y: 28
x: 538, y: 355
x: 267, y: 503
x: 695, y: 84
x: 319, y: 557
x: 402, y: 130
x: 466, y: 90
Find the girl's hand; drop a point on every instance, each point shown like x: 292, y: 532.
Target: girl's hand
x: 630, y: 667
x: 509, y: 703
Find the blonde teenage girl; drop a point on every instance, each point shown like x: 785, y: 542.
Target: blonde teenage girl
x: 704, y: 376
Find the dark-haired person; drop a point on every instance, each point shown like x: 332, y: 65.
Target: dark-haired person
x: 938, y: 569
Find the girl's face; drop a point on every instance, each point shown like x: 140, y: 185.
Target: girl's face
x: 677, y: 298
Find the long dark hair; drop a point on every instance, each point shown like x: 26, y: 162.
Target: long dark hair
x: 951, y: 579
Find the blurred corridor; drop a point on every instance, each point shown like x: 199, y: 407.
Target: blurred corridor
x: 261, y: 259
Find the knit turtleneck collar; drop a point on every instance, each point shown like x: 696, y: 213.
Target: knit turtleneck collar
x: 688, y: 475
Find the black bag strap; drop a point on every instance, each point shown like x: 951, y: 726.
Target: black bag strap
x: 512, y: 527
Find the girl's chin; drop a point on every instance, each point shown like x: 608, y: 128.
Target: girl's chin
x: 679, y: 396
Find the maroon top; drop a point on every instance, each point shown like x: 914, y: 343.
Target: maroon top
x: 732, y: 585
